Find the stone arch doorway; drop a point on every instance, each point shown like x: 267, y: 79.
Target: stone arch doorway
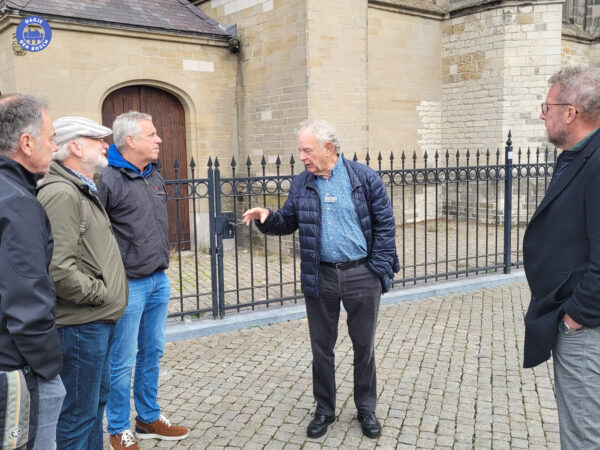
x: 168, y: 117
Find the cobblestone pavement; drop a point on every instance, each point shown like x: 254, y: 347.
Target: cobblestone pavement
x: 449, y: 376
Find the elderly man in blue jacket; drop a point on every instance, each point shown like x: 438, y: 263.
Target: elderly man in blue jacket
x: 348, y: 253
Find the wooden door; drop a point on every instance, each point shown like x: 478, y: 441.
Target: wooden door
x: 168, y: 117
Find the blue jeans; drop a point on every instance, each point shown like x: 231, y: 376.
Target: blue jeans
x: 51, y: 393
x: 576, y: 358
x: 140, y: 340
x: 86, y: 375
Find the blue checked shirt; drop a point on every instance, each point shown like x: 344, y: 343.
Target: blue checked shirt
x: 85, y: 179
x: 342, y: 239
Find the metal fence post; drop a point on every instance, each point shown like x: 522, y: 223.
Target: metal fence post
x: 219, y: 237
x: 508, y: 166
x: 213, y: 243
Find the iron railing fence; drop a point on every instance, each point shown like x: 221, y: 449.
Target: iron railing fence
x: 457, y: 215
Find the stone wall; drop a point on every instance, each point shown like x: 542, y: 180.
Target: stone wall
x: 404, y: 82
x: 575, y: 53
x: 337, y: 69
x: 495, y: 66
x: 8, y: 46
x: 272, y: 73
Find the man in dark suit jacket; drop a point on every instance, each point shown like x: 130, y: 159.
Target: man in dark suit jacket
x: 561, y: 250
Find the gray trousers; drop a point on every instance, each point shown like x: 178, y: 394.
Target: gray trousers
x: 359, y: 290
x: 576, y: 358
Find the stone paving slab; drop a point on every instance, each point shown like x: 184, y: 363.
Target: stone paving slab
x: 449, y: 376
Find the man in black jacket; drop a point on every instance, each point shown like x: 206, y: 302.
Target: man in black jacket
x: 133, y: 194
x: 561, y: 251
x: 28, y: 336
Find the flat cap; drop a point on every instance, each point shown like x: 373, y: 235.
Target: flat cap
x: 68, y: 129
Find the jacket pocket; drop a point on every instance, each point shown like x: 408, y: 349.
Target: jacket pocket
x: 90, y: 268
x: 563, y: 290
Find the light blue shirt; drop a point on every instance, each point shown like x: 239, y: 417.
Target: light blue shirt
x: 342, y: 239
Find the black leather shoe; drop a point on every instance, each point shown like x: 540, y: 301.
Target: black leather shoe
x: 318, y: 426
x: 371, y: 427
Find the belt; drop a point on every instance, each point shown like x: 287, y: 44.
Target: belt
x: 345, y: 265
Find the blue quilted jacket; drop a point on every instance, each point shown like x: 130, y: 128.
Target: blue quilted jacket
x: 302, y: 211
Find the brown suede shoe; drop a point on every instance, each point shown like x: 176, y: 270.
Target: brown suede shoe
x: 123, y: 441
x: 161, y: 429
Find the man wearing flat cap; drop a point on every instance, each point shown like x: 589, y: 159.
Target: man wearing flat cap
x: 90, y: 280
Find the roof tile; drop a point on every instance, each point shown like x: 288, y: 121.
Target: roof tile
x: 172, y: 15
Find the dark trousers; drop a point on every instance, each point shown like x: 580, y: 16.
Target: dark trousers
x: 360, y: 291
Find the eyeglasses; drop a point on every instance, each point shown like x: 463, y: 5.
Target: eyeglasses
x: 545, y: 107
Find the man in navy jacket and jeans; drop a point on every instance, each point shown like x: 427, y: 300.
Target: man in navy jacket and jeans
x: 348, y: 253
x: 133, y: 194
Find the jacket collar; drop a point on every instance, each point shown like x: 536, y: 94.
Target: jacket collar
x: 354, y: 180
x: 115, y: 159
x: 58, y: 170
x: 571, y: 171
x: 19, y: 174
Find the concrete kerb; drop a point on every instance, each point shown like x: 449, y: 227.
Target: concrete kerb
x: 177, y: 331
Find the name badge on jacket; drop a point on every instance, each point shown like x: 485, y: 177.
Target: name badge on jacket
x: 330, y: 199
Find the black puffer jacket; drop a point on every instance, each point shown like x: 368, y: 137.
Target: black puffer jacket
x: 137, y: 206
x: 28, y: 335
x: 302, y: 211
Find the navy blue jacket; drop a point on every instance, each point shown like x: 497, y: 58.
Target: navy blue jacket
x: 28, y: 335
x: 561, y: 254
x: 302, y: 211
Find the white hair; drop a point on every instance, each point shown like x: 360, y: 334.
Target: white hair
x: 323, y: 131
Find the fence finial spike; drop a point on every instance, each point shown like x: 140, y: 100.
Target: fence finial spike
x: 192, y: 163
x: 509, y: 141
x: 233, y: 162
x: 248, y: 162
x: 217, y: 164
x: 210, y: 163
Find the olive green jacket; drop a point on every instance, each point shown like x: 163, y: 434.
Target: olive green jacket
x: 89, y: 276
